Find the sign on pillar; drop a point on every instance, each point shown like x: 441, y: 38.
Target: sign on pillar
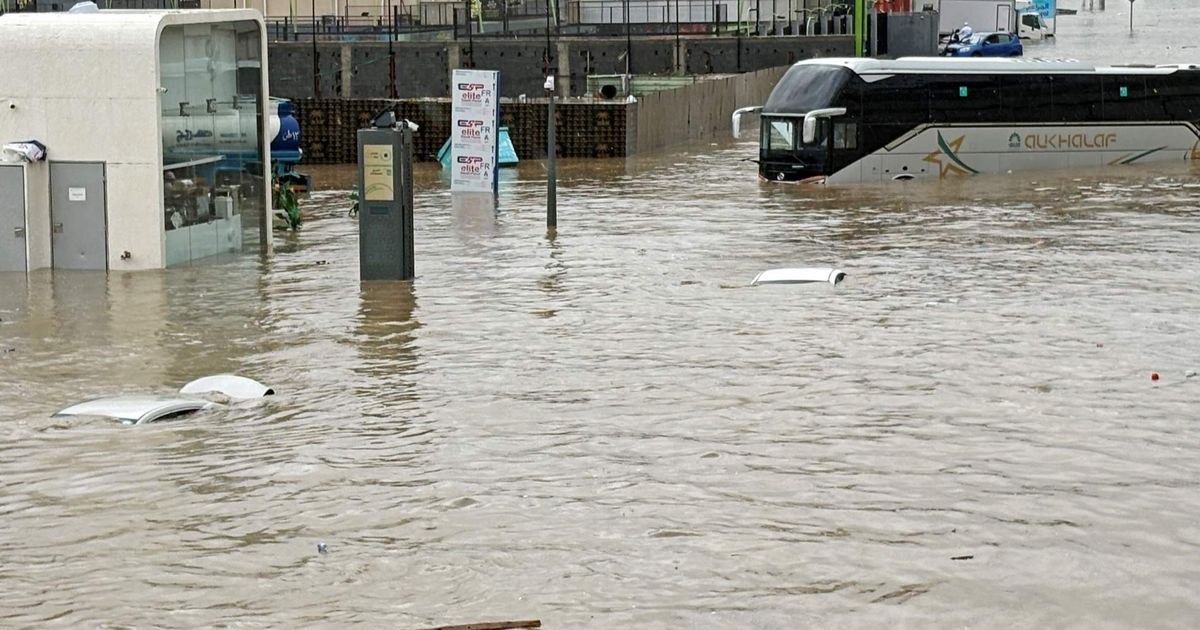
x: 475, y: 131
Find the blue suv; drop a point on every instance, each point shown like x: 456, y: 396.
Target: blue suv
x: 987, y: 45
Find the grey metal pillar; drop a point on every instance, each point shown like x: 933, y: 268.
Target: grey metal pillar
x: 385, y: 215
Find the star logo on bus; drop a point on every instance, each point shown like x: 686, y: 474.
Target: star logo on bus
x: 952, y: 163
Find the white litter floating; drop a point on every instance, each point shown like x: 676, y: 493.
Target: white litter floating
x: 800, y: 275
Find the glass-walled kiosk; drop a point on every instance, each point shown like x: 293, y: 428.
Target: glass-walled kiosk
x: 214, y: 174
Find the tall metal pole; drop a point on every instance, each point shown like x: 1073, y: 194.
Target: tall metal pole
x: 551, y: 86
x: 859, y: 27
x: 393, y: 18
x: 628, y: 42
x: 470, y: 37
x: 739, y: 36
x: 680, y: 66
x: 315, y: 54
x: 1130, y: 16
x: 551, y: 170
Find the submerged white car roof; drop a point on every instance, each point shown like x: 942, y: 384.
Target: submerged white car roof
x: 135, y: 409
x: 231, y: 385
x: 143, y: 409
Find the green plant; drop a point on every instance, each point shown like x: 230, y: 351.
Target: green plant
x: 284, y: 199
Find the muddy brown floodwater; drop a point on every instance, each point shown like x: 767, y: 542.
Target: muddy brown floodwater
x: 609, y: 428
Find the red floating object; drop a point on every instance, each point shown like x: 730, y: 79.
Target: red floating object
x: 1154, y: 376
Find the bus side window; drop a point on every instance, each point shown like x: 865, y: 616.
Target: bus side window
x: 845, y: 135
x: 1026, y: 98
x: 822, y: 135
x: 964, y: 98
x: 1172, y: 97
x: 1130, y: 107
x: 1075, y: 99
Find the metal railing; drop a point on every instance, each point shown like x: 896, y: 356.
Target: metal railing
x: 43, y: 6
x: 359, y: 22
x: 569, y: 18
x: 513, y: 18
x: 607, y: 18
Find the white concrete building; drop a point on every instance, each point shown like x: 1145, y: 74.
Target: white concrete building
x: 154, y: 127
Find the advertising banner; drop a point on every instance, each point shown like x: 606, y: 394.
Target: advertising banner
x: 474, y: 130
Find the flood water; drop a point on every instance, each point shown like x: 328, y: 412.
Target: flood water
x: 609, y: 428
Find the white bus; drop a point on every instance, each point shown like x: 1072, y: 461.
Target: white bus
x: 870, y: 120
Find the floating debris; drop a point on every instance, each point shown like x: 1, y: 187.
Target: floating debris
x: 494, y: 625
x: 799, y: 275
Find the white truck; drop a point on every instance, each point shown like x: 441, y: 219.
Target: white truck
x: 1009, y: 16
x: 1036, y: 23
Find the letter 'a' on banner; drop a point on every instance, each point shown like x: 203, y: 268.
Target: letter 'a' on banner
x: 474, y: 131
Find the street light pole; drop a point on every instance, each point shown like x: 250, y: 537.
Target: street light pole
x: 547, y: 57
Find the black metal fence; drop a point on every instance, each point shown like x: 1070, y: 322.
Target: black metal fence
x: 356, y: 23
x: 37, y: 6
x: 468, y: 19
x: 565, y: 18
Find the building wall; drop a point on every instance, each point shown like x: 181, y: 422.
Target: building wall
x: 37, y: 226
x: 701, y: 110
x: 105, y: 110
x: 911, y: 35
x: 360, y: 70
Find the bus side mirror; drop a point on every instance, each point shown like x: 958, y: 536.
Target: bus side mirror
x: 810, y: 129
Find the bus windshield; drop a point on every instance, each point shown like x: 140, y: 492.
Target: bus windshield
x: 780, y: 135
x: 805, y: 88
